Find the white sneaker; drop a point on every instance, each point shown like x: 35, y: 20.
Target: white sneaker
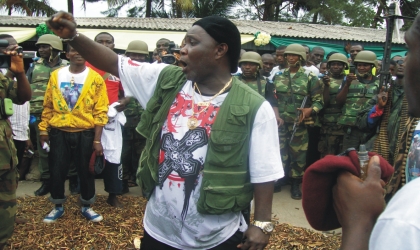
x: 53, y: 215
x: 92, y: 215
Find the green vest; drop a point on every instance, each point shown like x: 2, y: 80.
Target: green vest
x: 39, y: 81
x: 359, y: 94
x: 332, y: 112
x: 226, y: 183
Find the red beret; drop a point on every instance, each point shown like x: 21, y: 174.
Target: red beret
x: 319, y: 180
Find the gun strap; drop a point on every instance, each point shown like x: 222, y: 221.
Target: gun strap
x: 259, y: 85
x: 293, y: 96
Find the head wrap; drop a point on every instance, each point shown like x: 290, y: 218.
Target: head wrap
x: 223, y: 31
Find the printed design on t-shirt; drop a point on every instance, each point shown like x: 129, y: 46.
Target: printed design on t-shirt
x: 412, y: 167
x: 71, y: 92
x: 178, y: 157
x: 181, y: 107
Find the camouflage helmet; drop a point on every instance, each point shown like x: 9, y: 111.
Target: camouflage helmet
x: 366, y: 56
x: 138, y: 46
x: 338, y: 57
x: 296, y: 49
x: 52, y: 40
x: 251, y: 56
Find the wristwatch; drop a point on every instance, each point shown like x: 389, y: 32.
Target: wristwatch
x: 266, y: 226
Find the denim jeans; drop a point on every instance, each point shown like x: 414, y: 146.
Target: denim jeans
x: 67, y: 147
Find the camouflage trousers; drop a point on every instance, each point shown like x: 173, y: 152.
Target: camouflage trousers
x: 133, y: 145
x: 331, y: 142
x: 293, y: 154
x: 353, y: 137
x: 8, y: 185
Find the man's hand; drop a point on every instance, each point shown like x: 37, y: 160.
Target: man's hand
x: 306, y: 113
x: 123, y: 104
x: 98, y: 149
x: 280, y: 122
x: 326, y: 80
x: 28, y: 145
x: 62, y: 24
x: 382, y: 97
x: 44, y: 139
x: 349, y: 78
x: 255, y: 239
x: 16, y: 60
x: 359, y: 203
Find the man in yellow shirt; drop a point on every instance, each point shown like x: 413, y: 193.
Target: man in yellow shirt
x: 72, y: 128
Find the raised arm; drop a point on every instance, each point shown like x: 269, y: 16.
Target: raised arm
x: 64, y: 26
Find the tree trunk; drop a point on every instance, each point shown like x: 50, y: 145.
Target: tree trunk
x: 10, y: 11
x: 148, y: 8
x: 315, y: 18
x: 70, y: 6
x: 268, y: 10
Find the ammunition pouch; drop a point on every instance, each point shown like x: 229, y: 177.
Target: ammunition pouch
x: 6, y: 108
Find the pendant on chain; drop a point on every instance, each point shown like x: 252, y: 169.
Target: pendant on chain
x: 192, y: 123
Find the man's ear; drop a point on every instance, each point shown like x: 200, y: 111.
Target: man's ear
x: 221, y: 50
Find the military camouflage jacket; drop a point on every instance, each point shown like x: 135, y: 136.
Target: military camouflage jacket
x: 290, y: 94
x: 267, y: 88
x: 38, y: 76
x: 359, y: 94
x: 7, y: 147
x: 331, y: 112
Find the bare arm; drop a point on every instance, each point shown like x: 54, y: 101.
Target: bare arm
x: 263, y: 199
x: 24, y: 92
x: 64, y: 26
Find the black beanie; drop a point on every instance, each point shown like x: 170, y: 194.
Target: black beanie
x: 224, y: 31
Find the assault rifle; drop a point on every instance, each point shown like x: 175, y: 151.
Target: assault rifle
x: 385, y: 76
x: 298, y: 113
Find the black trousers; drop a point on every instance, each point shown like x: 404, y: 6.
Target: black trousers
x: 67, y: 147
x: 149, y: 243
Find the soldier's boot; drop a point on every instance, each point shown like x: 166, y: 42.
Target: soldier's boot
x: 295, y: 189
x: 74, y: 186
x: 125, y: 188
x: 44, y: 189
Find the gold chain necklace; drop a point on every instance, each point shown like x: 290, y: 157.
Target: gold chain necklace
x: 192, y: 122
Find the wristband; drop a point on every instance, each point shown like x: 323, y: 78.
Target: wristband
x: 98, y: 142
x: 43, y: 133
x: 70, y: 39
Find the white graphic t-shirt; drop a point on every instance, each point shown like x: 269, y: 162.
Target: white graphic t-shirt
x: 171, y: 215
x: 71, y: 85
x: 412, y: 167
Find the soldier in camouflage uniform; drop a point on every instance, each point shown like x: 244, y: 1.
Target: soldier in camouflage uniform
x: 355, y: 91
x: 133, y: 142
x: 291, y: 88
x: 19, y: 92
x: 49, y: 48
x: 331, y: 133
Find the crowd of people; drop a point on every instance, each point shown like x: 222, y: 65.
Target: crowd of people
x: 149, y: 121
